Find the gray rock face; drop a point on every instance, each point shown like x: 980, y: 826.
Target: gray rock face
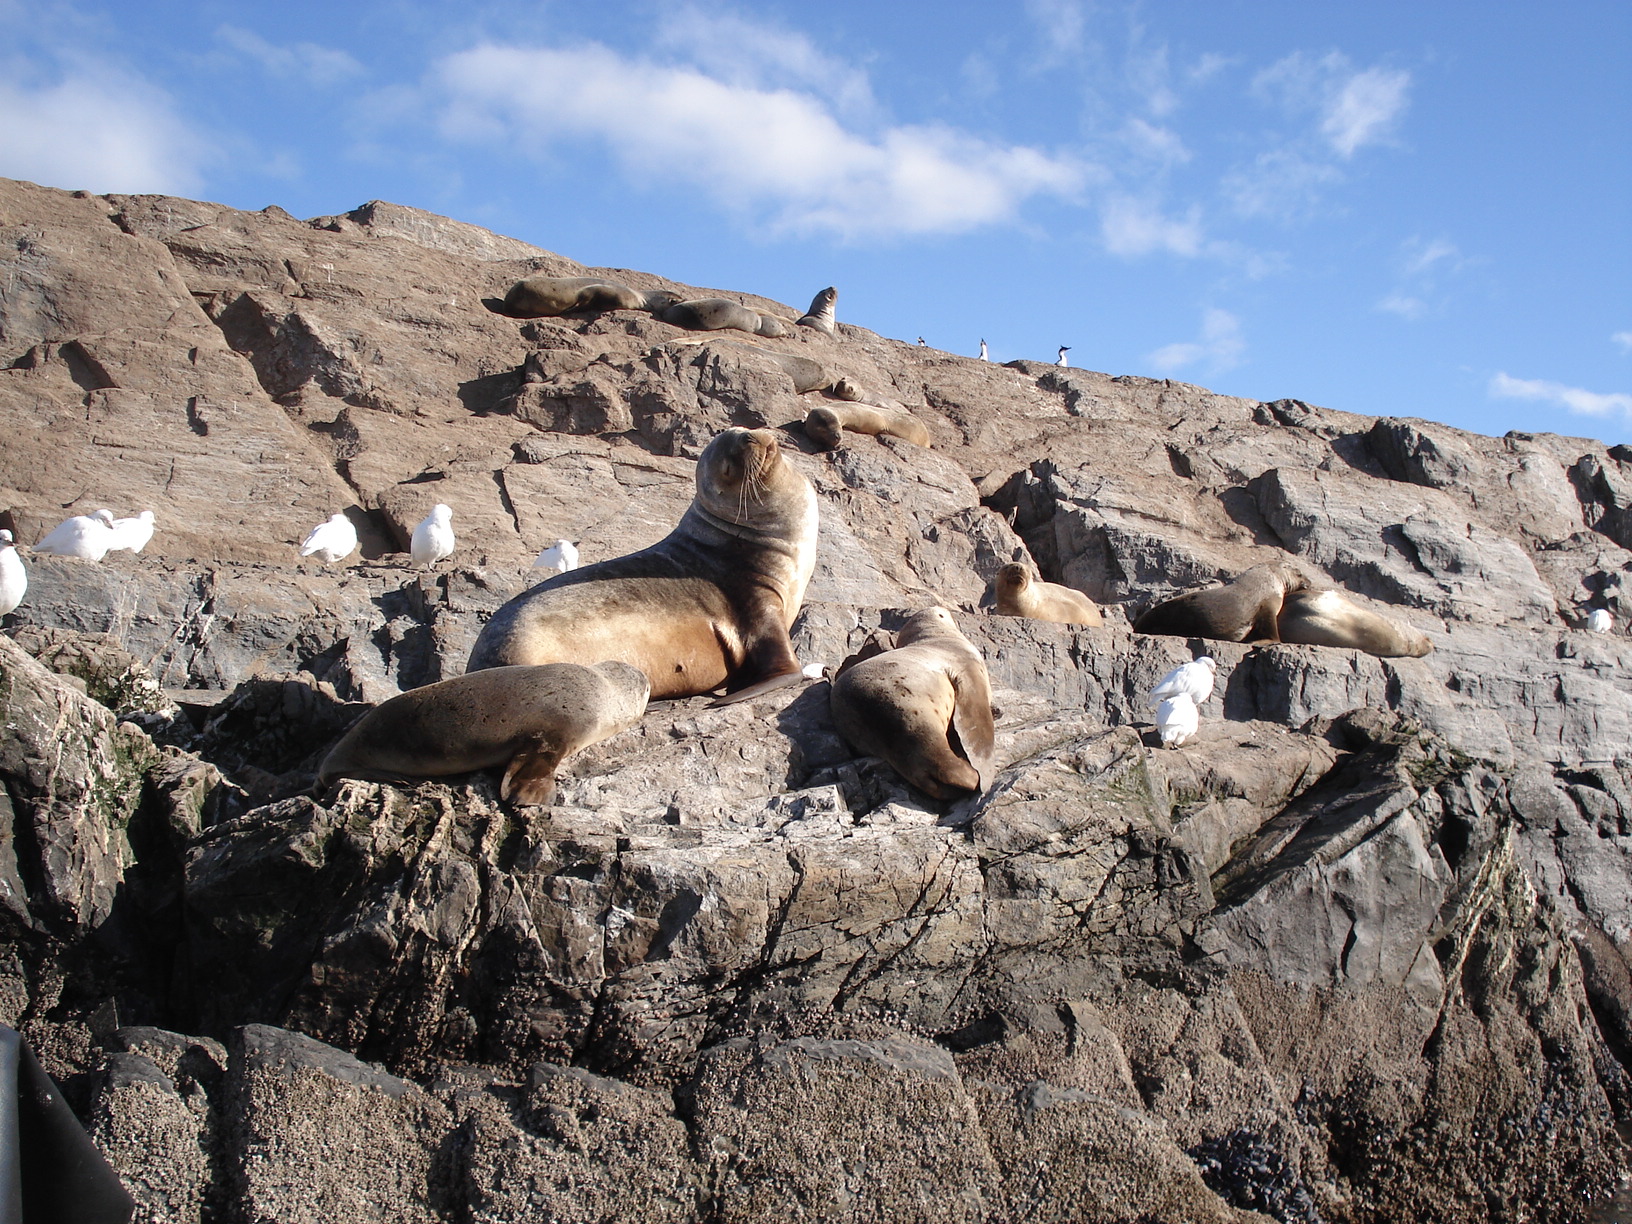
x: 1359, y: 951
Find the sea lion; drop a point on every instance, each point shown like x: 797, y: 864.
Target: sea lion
x: 1325, y: 618
x: 542, y: 297
x: 825, y: 424
x: 925, y: 706
x: 528, y: 719
x: 846, y: 390
x: 820, y: 315
x: 1019, y: 594
x: 709, y: 604
x: 1243, y: 610
x: 717, y: 314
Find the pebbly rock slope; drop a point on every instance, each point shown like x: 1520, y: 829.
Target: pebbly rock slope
x: 1359, y: 952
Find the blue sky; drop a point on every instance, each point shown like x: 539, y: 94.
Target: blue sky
x: 1418, y: 209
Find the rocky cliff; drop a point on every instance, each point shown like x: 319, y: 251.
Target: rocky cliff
x: 1359, y: 952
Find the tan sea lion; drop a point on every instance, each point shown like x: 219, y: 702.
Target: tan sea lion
x: 541, y: 297
x: 1019, y: 594
x: 1243, y: 610
x: 824, y: 425
x: 717, y: 314
x: 846, y: 390
x: 925, y: 707
x: 820, y: 315
x: 1325, y: 618
x: 709, y: 604
x: 528, y: 719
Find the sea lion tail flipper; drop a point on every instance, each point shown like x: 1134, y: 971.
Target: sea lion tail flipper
x: 972, y: 720
x: 530, y: 776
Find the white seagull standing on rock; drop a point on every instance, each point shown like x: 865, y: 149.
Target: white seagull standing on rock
x: 562, y: 555
x: 1193, y: 679
x: 433, y: 538
x: 13, y: 577
x: 87, y: 536
x: 1177, y: 719
x: 1599, y: 620
x: 132, y: 533
x: 331, y: 541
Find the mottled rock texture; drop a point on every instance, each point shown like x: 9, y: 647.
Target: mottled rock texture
x: 1358, y: 952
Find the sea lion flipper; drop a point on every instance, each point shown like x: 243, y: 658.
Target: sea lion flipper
x: 878, y: 641
x: 759, y: 687
x: 972, y: 720
x: 530, y: 776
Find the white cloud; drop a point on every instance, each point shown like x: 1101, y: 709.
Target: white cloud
x: 1061, y: 22
x: 1353, y: 108
x: 1131, y: 227
x: 761, y: 57
x: 1423, y: 265
x: 1624, y: 340
x: 776, y: 151
x: 1588, y: 403
x: 1281, y: 184
x: 1159, y: 144
x: 97, y: 129
x: 1420, y: 257
x: 1220, y: 345
x: 304, y: 61
x: 1404, y: 305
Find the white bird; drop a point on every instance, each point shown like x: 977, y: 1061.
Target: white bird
x: 13, y: 577
x: 1599, y: 620
x: 331, y: 541
x: 1177, y: 719
x: 132, y: 533
x: 433, y: 538
x: 983, y: 356
x: 1193, y: 679
x: 562, y: 555
x: 88, y: 536
x: 1064, y: 349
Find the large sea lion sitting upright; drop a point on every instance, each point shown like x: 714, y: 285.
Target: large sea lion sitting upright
x: 925, y: 706
x: 1243, y: 610
x: 710, y: 604
x: 718, y: 314
x: 1019, y: 594
x: 820, y: 315
x: 542, y: 297
x: 528, y: 719
x: 1325, y: 618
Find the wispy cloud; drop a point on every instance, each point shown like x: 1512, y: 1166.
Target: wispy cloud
x: 100, y: 128
x: 1352, y: 107
x: 1575, y: 399
x: 1132, y: 227
x: 304, y: 62
x: 745, y: 53
x: 1422, y: 266
x: 780, y: 154
x: 1280, y: 184
x: 1220, y: 346
x: 1623, y: 340
x: 1404, y: 305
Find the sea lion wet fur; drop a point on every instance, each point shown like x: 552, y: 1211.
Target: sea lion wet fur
x: 1326, y: 618
x: 925, y: 707
x: 1242, y: 610
x: 824, y: 425
x: 710, y: 604
x: 1019, y: 594
x: 542, y: 297
x: 528, y: 719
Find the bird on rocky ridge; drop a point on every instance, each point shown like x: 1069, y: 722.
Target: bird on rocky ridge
x: 1177, y: 719
x: 87, y: 536
x: 1600, y: 620
x: 433, y: 538
x: 983, y: 356
x: 562, y: 555
x: 13, y: 577
x: 132, y: 534
x: 1193, y: 679
x: 1064, y: 349
x: 330, y: 541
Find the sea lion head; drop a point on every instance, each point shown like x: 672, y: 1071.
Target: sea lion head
x: 822, y: 427
x: 1013, y: 577
x: 659, y: 300
x: 930, y: 623
x: 632, y: 686
x: 739, y: 473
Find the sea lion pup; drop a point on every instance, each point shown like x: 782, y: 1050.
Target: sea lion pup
x: 541, y: 297
x: 824, y: 425
x: 846, y: 390
x: 528, y: 719
x: 1325, y: 618
x: 820, y: 315
x: 717, y: 314
x: 925, y: 706
x: 709, y: 604
x: 1243, y: 610
x: 1019, y: 594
